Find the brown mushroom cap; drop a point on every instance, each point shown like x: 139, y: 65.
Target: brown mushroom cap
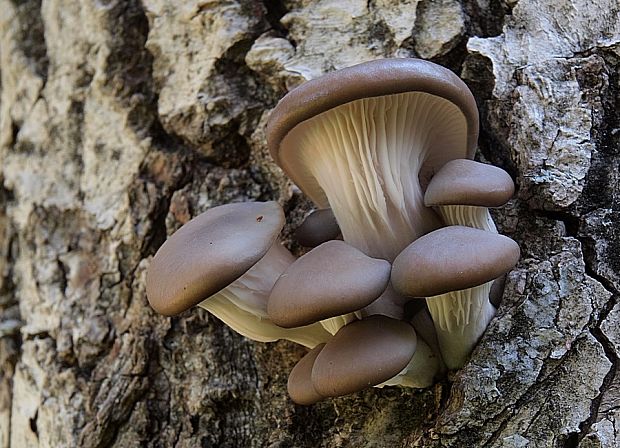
x: 363, y: 354
x: 320, y: 226
x: 300, y: 387
x: 365, y: 80
x: 466, y: 182
x: 330, y: 280
x: 210, y: 252
x: 451, y: 259
x: 369, y: 79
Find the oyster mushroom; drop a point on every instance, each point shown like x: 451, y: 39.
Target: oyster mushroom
x: 454, y: 268
x: 366, y: 139
x: 329, y: 284
x: 463, y: 190
x: 226, y: 260
x: 371, y: 352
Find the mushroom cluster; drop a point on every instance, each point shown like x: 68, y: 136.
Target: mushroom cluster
x: 405, y: 254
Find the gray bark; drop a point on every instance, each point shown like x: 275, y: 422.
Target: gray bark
x: 120, y: 120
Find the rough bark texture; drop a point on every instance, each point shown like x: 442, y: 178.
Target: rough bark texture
x: 121, y: 119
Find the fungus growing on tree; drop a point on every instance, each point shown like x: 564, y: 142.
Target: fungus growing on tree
x: 382, y: 149
x: 300, y: 387
x: 226, y: 261
x: 454, y: 268
x: 463, y: 190
x: 366, y: 142
x: 364, y: 353
x: 331, y: 282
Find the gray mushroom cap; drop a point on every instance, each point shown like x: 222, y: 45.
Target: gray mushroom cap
x: 450, y: 259
x: 330, y: 280
x: 300, y: 387
x: 210, y: 252
x: 466, y: 182
x: 320, y: 226
x: 363, y: 354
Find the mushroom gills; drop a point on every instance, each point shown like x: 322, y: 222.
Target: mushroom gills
x: 461, y: 317
x: 467, y: 215
x: 456, y: 282
x: 367, y: 156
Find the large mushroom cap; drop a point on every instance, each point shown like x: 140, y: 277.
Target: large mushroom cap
x: 451, y: 259
x: 466, y: 182
x: 300, y: 387
x: 363, y: 354
x: 210, y: 252
x: 370, y: 79
x: 330, y: 280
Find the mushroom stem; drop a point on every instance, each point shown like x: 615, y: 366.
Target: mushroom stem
x: 467, y: 215
x: 460, y: 319
x: 242, y: 305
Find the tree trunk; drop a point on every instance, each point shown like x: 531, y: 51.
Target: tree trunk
x: 120, y: 120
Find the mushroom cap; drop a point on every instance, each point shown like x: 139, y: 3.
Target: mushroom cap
x: 300, y: 387
x: 318, y: 227
x: 332, y: 279
x: 369, y: 79
x: 210, y: 252
x: 450, y: 259
x: 466, y: 182
x: 363, y: 354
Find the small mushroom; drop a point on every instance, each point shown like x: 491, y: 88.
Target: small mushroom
x: 462, y: 190
x: 454, y: 268
x: 367, y: 353
x: 226, y: 260
x: 300, y: 387
x: 318, y: 227
x: 333, y: 280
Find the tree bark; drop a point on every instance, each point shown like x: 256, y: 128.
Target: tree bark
x: 121, y: 120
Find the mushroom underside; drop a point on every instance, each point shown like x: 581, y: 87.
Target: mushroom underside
x: 367, y: 160
x: 460, y: 319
